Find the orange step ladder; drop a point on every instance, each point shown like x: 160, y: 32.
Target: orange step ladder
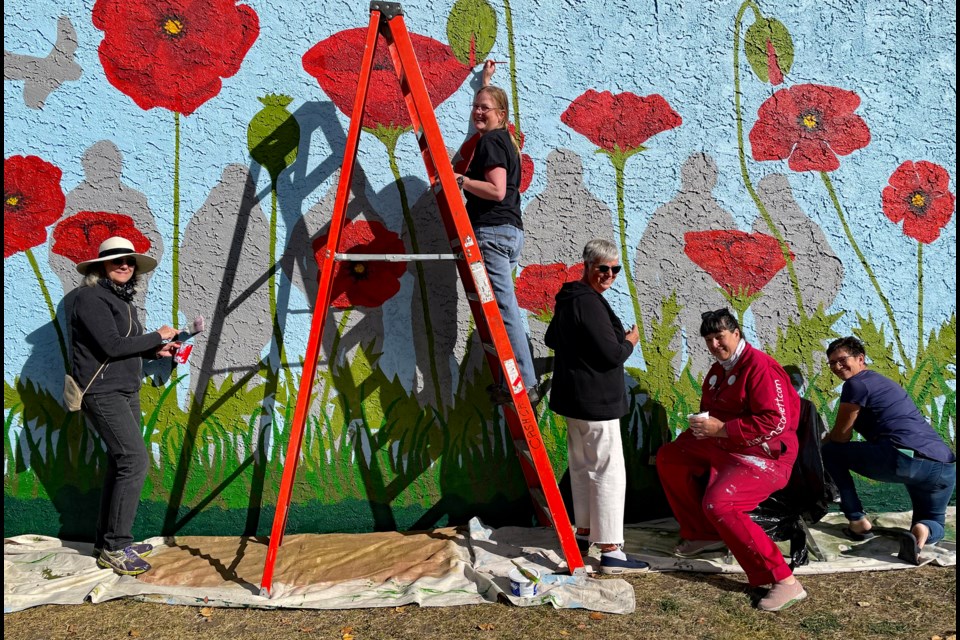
x: 386, y: 19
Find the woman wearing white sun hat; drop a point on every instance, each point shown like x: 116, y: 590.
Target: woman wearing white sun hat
x: 109, y: 345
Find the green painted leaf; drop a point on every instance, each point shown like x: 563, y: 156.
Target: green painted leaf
x: 879, y: 350
x: 471, y: 30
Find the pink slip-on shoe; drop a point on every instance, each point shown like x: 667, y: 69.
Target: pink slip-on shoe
x: 782, y: 595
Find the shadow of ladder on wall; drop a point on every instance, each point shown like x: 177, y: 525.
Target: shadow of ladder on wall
x: 386, y: 19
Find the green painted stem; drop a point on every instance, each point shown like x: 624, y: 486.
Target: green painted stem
x: 52, y: 309
x: 920, y: 345
x: 390, y: 141
x: 619, y: 160
x: 277, y: 334
x: 747, y: 182
x: 863, y: 261
x: 511, y: 50
x: 176, y: 221
x: 462, y: 369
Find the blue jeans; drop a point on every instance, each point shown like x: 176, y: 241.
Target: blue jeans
x: 116, y: 417
x: 929, y: 483
x: 501, y: 247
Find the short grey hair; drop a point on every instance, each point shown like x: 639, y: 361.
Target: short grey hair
x: 599, y: 250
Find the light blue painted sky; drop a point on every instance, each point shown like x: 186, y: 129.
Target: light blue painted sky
x: 899, y: 57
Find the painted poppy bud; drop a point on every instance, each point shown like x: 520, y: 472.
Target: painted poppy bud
x: 273, y: 135
x: 769, y: 49
x: 471, y: 30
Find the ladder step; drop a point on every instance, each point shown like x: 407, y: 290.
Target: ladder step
x: 541, y: 500
x: 489, y: 347
x: 524, y: 450
x: 395, y: 257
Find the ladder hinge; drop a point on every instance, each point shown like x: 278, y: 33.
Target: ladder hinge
x: 388, y: 10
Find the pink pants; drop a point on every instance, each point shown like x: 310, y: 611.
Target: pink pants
x: 712, y: 491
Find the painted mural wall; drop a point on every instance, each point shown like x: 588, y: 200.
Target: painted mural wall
x: 792, y: 160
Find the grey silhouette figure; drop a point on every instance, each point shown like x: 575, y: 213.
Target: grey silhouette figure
x: 43, y: 76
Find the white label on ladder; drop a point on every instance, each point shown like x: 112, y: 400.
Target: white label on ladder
x: 468, y: 241
x: 481, y: 282
x: 513, y: 375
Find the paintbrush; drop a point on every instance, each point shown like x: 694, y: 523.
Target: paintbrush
x: 526, y: 573
x: 185, y: 334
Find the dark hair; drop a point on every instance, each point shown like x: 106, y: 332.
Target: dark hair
x: 716, y: 321
x: 851, y: 344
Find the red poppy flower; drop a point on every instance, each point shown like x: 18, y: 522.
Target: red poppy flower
x: 919, y: 195
x: 364, y: 284
x: 810, y: 124
x: 538, y: 285
x: 79, y: 236
x: 335, y: 63
x: 32, y: 200
x: 173, y: 53
x: 526, y: 172
x: 741, y: 263
x: 623, y: 121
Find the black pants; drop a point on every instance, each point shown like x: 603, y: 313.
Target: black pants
x: 116, y: 417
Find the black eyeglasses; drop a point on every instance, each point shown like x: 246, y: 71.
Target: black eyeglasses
x: 604, y: 268
x: 836, y: 361
x: 710, y: 315
x: 119, y: 262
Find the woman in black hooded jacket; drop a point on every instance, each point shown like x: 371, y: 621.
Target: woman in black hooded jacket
x: 590, y: 347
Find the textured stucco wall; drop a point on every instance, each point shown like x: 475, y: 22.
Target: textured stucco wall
x: 709, y: 144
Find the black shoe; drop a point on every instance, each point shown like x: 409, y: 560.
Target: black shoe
x: 909, y: 549
x: 533, y: 394
x: 583, y: 545
x: 499, y: 395
x: 858, y: 537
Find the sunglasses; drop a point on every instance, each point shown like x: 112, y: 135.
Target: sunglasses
x: 119, y: 262
x: 605, y: 268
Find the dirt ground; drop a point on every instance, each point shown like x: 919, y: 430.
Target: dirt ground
x: 917, y: 604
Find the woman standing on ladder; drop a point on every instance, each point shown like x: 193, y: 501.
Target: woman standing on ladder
x: 491, y: 186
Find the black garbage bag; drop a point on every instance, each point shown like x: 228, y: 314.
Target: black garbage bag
x: 808, y: 494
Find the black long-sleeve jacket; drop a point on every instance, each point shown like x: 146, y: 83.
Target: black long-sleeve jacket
x: 99, y: 324
x: 590, y: 348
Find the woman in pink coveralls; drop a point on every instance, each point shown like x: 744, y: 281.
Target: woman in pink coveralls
x: 727, y: 463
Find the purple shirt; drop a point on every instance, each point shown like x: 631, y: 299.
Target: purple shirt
x: 888, y: 414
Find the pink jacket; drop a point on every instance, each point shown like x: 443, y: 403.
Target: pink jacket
x: 758, y: 405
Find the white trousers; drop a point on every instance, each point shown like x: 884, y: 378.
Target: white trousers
x: 598, y: 476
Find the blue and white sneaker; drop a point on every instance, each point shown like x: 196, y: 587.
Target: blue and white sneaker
x: 142, y: 549
x: 125, y: 562
x: 615, y: 566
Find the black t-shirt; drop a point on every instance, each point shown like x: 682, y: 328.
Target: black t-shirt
x: 495, y: 149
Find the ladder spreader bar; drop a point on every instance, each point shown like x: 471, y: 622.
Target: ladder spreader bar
x: 395, y: 257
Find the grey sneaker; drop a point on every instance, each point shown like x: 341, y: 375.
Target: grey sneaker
x: 126, y: 562
x: 142, y: 549
x: 691, y: 548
